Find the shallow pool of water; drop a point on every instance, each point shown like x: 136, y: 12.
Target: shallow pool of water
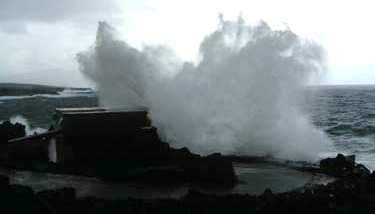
x: 255, y: 178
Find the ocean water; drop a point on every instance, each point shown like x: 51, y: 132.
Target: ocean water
x: 345, y: 113
x: 38, y: 110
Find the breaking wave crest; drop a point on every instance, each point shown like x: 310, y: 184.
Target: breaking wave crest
x: 243, y: 96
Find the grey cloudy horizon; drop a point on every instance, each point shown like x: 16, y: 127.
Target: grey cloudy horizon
x: 40, y: 38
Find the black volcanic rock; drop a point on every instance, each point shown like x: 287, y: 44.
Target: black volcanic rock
x: 343, y: 166
x: 212, y: 169
x: 9, y: 131
x: 352, y: 194
x: 338, y: 166
x: 27, y: 155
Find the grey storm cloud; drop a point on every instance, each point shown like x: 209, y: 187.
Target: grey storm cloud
x: 41, y: 37
x: 52, y: 10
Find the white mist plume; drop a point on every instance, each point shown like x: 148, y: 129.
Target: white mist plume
x: 242, y: 97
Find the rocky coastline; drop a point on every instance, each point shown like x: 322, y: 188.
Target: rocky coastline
x: 145, y: 159
x: 353, y: 191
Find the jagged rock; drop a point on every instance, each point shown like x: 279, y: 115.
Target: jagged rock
x: 343, y: 166
x: 268, y: 195
x: 339, y: 166
x: 9, y: 131
x: 214, y: 169
x: 345, y: 195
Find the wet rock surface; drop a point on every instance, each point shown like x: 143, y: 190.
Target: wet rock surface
x: 345, y: 195
x: 343, y: 166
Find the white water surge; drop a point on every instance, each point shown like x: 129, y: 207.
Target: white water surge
x: 243, y: 96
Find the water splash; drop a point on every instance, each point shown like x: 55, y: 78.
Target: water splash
x: 29, y: 130
x: 242, y: 97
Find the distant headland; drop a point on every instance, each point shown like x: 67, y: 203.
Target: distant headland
x: 20, y: 89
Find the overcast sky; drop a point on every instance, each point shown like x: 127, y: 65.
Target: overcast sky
x: 39, y: 38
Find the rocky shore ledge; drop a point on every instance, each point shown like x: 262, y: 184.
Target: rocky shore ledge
x: 353, y: 191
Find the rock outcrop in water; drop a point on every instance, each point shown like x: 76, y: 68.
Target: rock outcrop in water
x: 343, y: 166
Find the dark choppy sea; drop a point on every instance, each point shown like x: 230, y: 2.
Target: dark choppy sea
x: 345, y: 113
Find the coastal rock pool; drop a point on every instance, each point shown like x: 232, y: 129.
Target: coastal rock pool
x: 254, y: 179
